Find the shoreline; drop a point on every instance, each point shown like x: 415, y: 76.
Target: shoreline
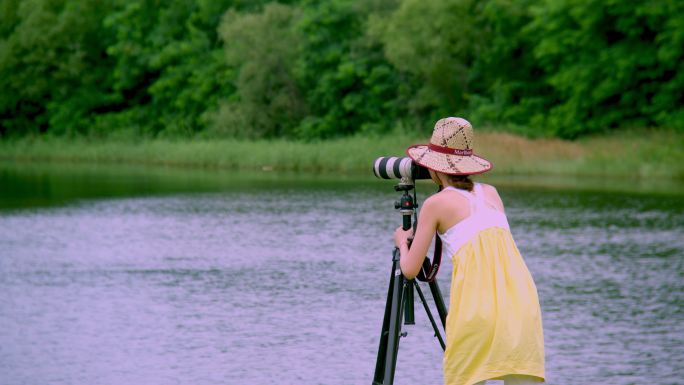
x: 632, y: 155
x: 216, y: 179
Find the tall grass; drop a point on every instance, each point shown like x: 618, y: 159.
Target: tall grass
x: 625, y: 154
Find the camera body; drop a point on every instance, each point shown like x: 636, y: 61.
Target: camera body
x: 392, y: 167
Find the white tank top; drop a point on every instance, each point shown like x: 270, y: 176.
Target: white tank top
x: 482, y: 216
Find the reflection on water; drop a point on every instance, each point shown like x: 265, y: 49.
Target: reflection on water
x: 211, y: 278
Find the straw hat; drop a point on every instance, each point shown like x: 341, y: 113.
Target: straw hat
x: 450, y: 149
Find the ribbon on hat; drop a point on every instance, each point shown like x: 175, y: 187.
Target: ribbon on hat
x: 450, y: 151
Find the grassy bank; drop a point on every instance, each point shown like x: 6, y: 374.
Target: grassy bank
x: 625, y: 154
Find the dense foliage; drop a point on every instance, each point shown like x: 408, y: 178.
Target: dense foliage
x: 315, y: 69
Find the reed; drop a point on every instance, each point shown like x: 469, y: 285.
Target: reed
x: 626, y: 154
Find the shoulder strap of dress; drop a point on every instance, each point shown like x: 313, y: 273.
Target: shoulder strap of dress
x: 466, y: 194
x: 479, y: 195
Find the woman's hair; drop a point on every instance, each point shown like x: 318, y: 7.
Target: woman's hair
x: 462, y: 182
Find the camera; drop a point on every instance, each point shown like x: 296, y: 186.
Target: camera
x: 392, y: 167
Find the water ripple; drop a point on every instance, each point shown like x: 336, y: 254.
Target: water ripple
x: 288, y: 286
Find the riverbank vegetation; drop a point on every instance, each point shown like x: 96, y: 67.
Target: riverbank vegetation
x: 629, y: 154
x: 310, y: 70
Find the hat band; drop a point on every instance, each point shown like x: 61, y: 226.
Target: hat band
x: 450, y: 151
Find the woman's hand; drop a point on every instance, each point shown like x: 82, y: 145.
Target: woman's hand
x: 401, y: 236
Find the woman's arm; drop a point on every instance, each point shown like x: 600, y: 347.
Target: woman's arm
x: 412, y: 259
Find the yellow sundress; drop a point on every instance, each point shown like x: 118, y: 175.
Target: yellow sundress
x: 494, y: 325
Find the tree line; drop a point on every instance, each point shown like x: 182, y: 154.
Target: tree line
x: 315, y: 69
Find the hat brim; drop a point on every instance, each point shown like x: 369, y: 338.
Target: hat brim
x: 447, y: 163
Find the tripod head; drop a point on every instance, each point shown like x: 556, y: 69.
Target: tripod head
x: 406, y: 204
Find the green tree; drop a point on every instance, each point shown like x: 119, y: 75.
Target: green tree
x: 464, y: 57
x: 170, y: 68
x: 53, y: 70
x: 262, y: 48
x: 316, y: 69
x: 610, y: 64
x: 439, y: 43
x: 350, y: 86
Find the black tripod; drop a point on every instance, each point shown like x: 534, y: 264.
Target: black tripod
x: 400, y: 299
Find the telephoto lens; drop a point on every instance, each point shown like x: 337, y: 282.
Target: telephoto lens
x: 392, y: 167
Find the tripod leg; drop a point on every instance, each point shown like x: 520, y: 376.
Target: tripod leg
x: 432, y: 319
x: 391, y: 327
x: 437, y: 296
x: 409, y: 317
x: 384, y: 334
x: 439, y: 302
x: 398, y: 289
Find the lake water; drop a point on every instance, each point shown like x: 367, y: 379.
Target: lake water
x: 130, y: 276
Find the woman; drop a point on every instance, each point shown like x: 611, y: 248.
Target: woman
x: 493, y: 329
